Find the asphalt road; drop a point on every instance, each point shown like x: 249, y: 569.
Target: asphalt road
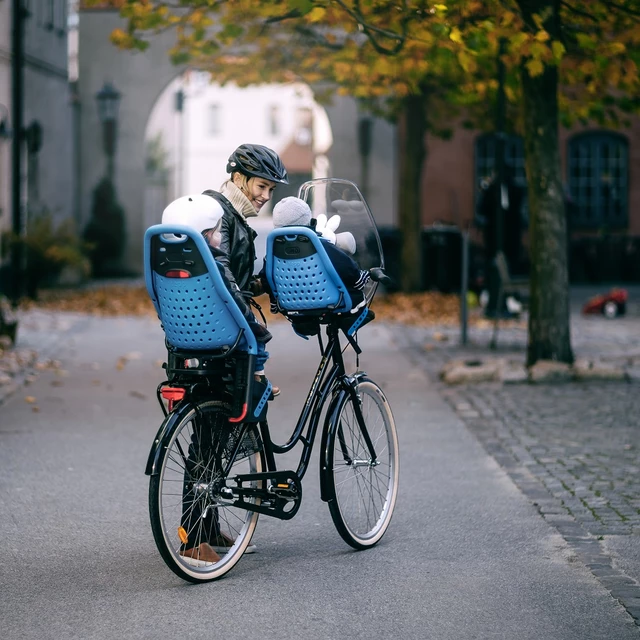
x: 467, y: 554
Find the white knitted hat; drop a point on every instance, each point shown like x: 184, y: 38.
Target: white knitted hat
x: 291, y: 211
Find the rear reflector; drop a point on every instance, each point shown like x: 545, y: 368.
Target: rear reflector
x: 172, y: 393
x: 177, y: 273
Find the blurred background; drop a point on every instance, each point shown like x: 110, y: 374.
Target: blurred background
x: 94, y: 141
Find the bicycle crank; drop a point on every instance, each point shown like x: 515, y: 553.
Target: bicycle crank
x: 279, y: 496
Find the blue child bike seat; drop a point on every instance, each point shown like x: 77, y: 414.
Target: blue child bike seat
x: 301, y: 275
x: 195, y: 307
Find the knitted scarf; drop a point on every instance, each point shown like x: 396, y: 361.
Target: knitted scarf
x: 239, y: 201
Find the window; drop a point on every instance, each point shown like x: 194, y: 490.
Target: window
x: 304, y: 121
x: 61, y: 20
x: 485, y: 154
x: 274, y: 119
x: 214, y: 119
x: 50, y: 15
x: 597, y: 166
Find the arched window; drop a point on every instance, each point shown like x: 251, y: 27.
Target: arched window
x: 597, y: 165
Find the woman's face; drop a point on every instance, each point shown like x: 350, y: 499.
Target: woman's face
x: 259, y: 191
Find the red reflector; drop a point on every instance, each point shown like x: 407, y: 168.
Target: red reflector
x: 172, y: 393
x: 241, y: 417
x: 177, y: 273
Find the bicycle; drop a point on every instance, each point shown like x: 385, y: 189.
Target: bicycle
x: 212, y: 466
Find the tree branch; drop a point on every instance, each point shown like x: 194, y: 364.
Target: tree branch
x: 621, y: 7
x: 317, y: 38
x: 369, y: 30
x: 578, y: 12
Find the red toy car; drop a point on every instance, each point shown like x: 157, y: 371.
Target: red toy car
x: 610, y: 304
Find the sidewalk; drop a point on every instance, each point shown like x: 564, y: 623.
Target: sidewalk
x: 38, y: 344
x: 573, y: 448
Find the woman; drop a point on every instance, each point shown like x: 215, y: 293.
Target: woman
x: 255, y: 171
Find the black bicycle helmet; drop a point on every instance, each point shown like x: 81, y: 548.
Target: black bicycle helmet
x: 256, y: 161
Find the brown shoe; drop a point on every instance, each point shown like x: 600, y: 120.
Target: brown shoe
x: 204, y: 553
x: 222, y: 543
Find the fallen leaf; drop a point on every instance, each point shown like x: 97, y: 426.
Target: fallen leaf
x: 57, y: 383
x: 29, y: 399
x: 35, y: 409
x: 137, y: 394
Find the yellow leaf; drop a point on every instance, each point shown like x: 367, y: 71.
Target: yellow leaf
x: 535, y: 68
x: 440, y: 7
x: 507, y: 18
x: 558, y: 50
x: 29, y: 399
x: 614, y: 48
x: 455, y: 35
x: 316, y: 14
x: 613, y: 75
x: 542, y: 36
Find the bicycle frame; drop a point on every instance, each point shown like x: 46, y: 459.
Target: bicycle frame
x: 329, y: 381
x: 330, y: 378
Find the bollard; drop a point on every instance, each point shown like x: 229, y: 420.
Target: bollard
x: 464, y: 285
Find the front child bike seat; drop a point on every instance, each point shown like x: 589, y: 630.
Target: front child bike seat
x: 301, y: 276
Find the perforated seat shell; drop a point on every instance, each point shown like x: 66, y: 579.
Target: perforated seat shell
x: 191, y: 312
x: 197, y: 313
x: 303, y: 284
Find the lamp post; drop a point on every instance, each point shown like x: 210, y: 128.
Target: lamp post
x: 108, y: 99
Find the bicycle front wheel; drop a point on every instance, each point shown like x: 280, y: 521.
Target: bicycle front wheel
x: 199, y: 533
x: 363, y: 488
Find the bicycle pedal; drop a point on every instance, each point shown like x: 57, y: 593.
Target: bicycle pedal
x: 286, y: 490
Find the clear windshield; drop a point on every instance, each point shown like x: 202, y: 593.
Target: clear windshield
x: 357, y: 233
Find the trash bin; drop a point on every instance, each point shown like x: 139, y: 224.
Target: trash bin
x: 442, y: 258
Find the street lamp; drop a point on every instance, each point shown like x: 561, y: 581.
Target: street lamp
x: 108, y: 99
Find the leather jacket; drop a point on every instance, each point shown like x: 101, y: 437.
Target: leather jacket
x: 237, y: 251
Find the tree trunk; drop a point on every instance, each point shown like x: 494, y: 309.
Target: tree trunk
x: 412, y: 154
x: 549, y: 327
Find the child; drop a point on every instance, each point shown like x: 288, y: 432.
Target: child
x: 204, y: 215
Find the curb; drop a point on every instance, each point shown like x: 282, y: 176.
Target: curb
x: 502, y: 370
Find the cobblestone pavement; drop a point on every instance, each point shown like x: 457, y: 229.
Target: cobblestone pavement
x: 573, y: 449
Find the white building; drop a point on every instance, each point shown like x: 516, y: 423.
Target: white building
x: 199, y: 124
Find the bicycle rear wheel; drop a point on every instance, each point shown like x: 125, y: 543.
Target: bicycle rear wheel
x: 362, y: 490
x: 198, y: 532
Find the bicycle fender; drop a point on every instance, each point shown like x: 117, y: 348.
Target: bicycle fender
x: 165, y: 431
x: 326, y: 459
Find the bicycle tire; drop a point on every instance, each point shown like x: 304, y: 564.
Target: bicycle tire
x: 182, y: 500
x: 362, y: 495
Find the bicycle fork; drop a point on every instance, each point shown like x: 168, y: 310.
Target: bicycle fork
x: 326, y: 463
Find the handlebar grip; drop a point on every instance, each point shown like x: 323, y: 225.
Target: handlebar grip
x: 378, y: 275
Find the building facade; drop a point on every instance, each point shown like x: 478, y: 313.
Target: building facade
x: 47, y: 175
x: 601, y: 175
